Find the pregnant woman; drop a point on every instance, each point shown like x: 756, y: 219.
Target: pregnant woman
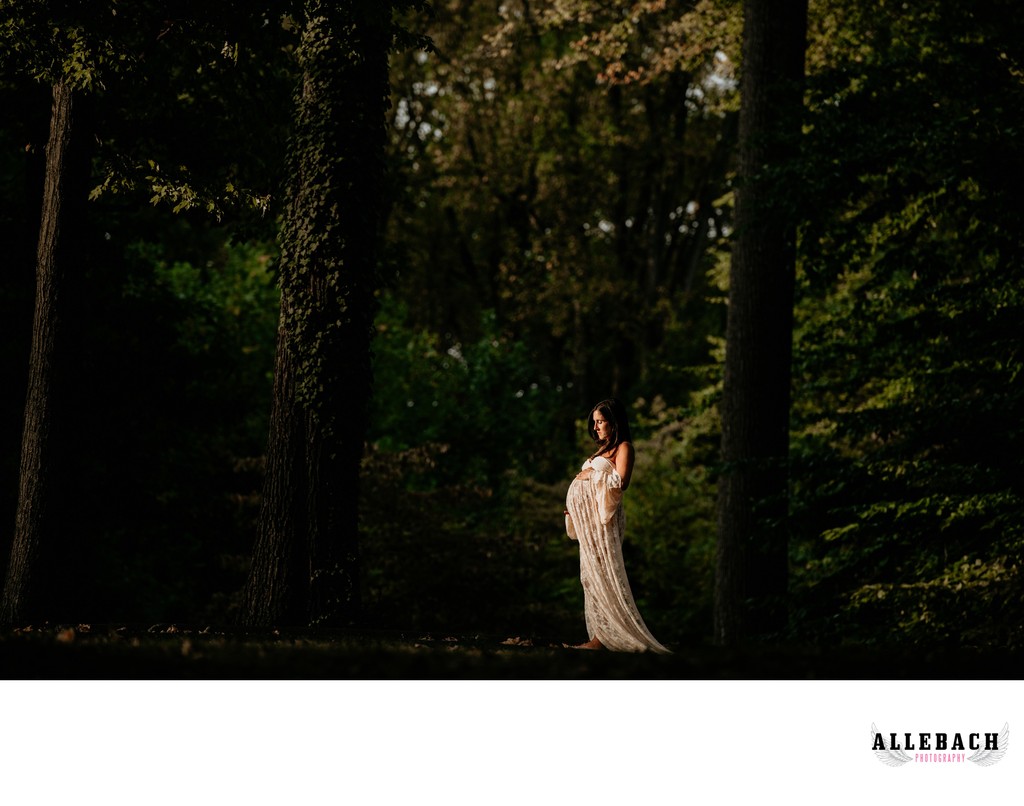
x: 593, y: 516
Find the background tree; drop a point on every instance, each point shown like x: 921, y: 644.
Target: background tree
x: 93, y: 58
x: 55, y: 50
x: 305, y: 564
x: 38, y: 499
x: 751, y: 567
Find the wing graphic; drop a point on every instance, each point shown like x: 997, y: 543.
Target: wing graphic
x: 889, y: 756
x: 985, y: 758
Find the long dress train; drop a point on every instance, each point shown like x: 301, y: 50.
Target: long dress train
x: 596, y: 520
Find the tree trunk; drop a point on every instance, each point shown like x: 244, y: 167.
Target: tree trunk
x: 305, y: 563
x: 36, y: 520
x: 751, y: 560
x: 278, y: 583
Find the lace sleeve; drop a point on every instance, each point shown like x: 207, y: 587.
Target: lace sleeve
x: 570, y: 528
x: 607, y: 492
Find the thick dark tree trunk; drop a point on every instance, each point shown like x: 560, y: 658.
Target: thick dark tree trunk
x: 751, y: 564
x: 306, y: 562
x: 38, y: 509
x: 278, y: 585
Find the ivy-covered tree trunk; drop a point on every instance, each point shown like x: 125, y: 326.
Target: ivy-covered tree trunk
x: 305, y: 562
x: 39, y: 508
x: 751, y: 559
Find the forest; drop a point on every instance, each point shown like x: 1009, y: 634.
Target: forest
x: 307, y: 304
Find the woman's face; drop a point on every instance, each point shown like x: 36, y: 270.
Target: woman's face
x: 601, y: 426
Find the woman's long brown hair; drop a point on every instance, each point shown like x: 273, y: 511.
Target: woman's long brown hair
x: 615, y: 414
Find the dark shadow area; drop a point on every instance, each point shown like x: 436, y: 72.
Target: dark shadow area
x: 170, y: 652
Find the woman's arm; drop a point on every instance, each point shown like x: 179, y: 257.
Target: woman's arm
x: 624, y: 462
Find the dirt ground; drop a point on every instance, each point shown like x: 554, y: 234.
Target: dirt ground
x: 173, y: 652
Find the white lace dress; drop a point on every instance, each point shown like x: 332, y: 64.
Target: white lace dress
x: 596, y: 520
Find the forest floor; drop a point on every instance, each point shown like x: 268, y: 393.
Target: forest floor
x: 174, y: 652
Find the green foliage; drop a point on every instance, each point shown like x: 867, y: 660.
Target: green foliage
x: 971, y: 604
x: 228, y: 304
x: 573, y: 198
x: 471, y: 454
x: 463, y: 557
x: 909, y: 395
x: 670, y: 516
x: 68, y: 42
x: 168, y: 440
x: 172, y: 82
x: 463, y: 485
x: 209, y: 146
x: 487, y: 403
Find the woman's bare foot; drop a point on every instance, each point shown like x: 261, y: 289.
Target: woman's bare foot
x: 593, y: 643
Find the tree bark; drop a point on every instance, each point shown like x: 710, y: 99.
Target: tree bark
x: 276, y: 592
x: 751, y: 571
x: 305, y: 566
x: 38, y: 507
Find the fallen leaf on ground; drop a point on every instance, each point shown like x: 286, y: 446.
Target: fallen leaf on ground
x: 517, y: 641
